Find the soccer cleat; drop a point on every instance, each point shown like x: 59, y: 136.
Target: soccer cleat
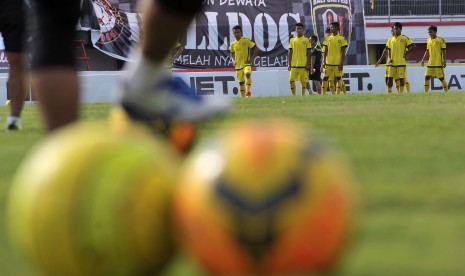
x: 13, y: 124
x: 170, y: 100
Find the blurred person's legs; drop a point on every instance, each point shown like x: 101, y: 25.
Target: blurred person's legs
x: 147, y: 92
x: 17, y: 87
x: 12, y: 26
x: 54, y: 78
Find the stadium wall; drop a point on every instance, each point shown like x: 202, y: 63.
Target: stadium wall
x: 100, y: 86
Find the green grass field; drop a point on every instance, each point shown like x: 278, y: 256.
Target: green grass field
x: 407, y: 152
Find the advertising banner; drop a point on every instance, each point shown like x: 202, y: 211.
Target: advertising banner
x: 269, y: 23
x: 101, y: 86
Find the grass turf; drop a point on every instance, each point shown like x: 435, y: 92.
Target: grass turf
x: 406, y: 152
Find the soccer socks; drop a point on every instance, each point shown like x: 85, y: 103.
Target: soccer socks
x: 401, y: 89
x: 324, y: 87
x: 444, y: 85
x: 332, y: 88
x: 397, y: 85
x: 407, y: 86
x: 389, y: 90
x: 341, y: 86
x: 248, y: 83
x: 303, y: 89
x: 426, y: 86
x: 292, y: 83
x: 242, y: 88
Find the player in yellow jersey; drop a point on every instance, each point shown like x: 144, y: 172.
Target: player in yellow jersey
x: 436, y: 51
x: 398, y: 47
x: 174, y: 53
x: 299, y: 59
x: 388, y: 66
x: 335, y: 47
x: 242, y: 60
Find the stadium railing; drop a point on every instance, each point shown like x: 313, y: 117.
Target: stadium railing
x: 434, y: 9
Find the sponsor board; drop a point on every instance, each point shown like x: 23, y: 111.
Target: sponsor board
x: 101, y: 86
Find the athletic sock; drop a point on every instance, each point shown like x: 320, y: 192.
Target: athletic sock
x: 426, y: 86
x: 444, y: 85
x: 242, y: 87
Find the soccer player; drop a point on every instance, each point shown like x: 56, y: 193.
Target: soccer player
x: 315, y: 65
x: 12, y: 27
x: 147, y: 92
x: 242, y: 59
x: 436, y: 51
x: 398, y: 47
x: 334, y: 54
x: 299, y: 61
x: 383, y: 55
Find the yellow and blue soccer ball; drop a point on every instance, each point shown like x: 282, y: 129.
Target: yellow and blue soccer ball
x: 89, y: 201
x: 265, y: 198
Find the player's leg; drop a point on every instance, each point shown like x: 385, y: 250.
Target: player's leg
x: 391, y: 76
x: 401, y: 76
x: 17, y: 78
x: 427, y: 83
x: 316, y: 77
x: 338, y: 85
x: 328, y: 80
x: 325, y: 85
x: 248, y: 78
x: 440, y: 76
x: 309, y: 85
x: 386, y: 74
x: 341, y: 86
x: 397, y: 85
x: 147, y: 92
x: 13, y: 32
x: 332, y: 79
x: 241, y: 79
x: 54, y: 78
x: 303, y: 81
x: 293, y: 74
x: 318, y: 86
x: 389, y: 85
x: 429, y: 72
x: 401, y: 85
x: 407, y: 83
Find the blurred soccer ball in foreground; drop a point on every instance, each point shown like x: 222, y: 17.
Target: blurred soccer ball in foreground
x: 91, y: 202
x: 264, y: 198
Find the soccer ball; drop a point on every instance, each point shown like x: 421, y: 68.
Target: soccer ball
x: 8, y: 103
x: 88, y: 201
x: 249, y: 95
x: 264, y: 198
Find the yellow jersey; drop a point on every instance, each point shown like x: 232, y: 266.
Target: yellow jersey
x: 435, y: 48
x: 299, y: 47
x: 335, y: 45
x: 241, y: 49
x: 397, y: 46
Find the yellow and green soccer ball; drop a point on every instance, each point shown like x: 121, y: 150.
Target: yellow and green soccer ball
x: 265, y: 198
x: 89, y: 201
